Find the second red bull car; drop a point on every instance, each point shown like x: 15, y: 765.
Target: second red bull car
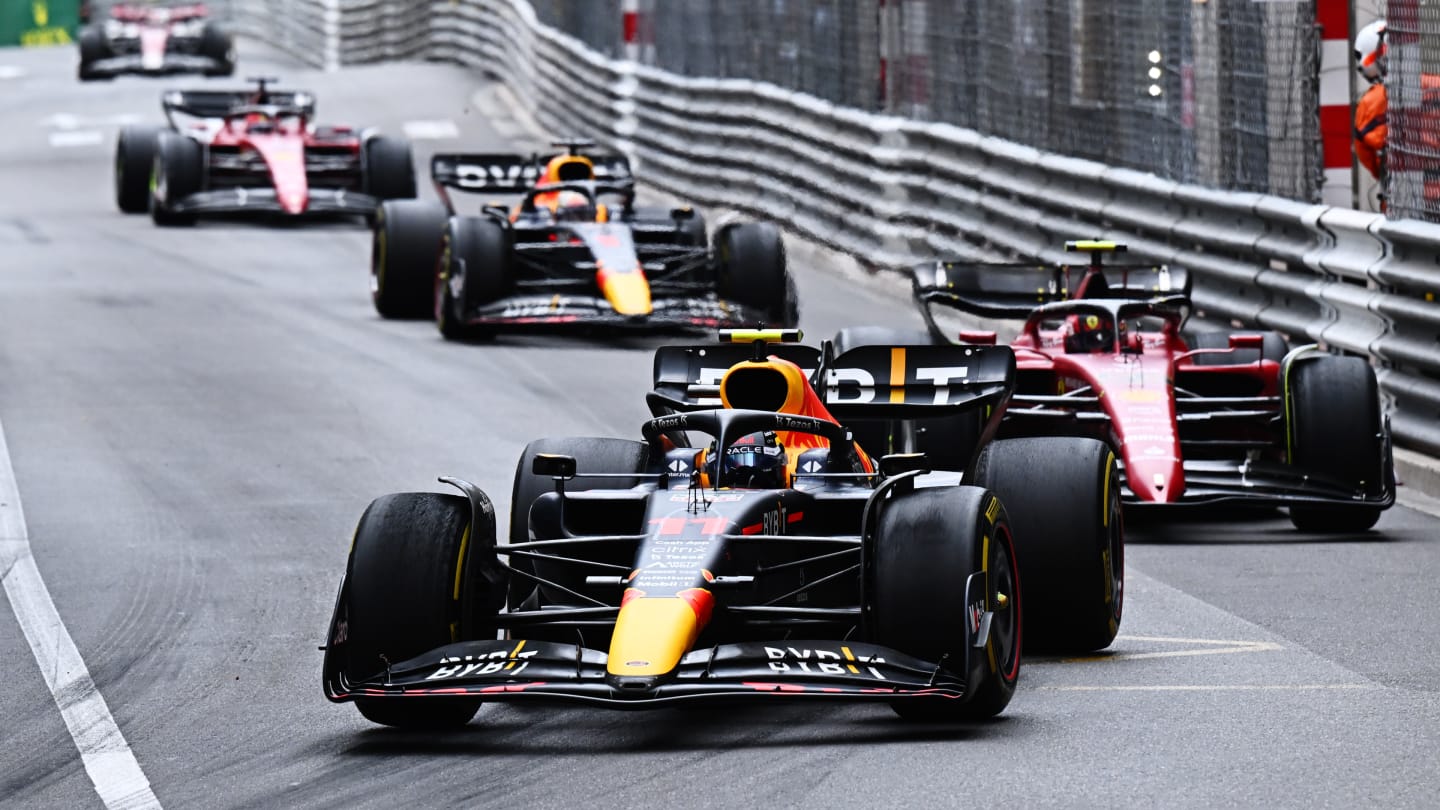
x: 255, y: 152
x: 574, y: 251
x: 744, y: 548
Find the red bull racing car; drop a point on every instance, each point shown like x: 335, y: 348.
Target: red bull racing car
x: 255, y: 152
x: 574, y: 251
x: 155, y: 40
x: 744, y: 548
x: 1196, y: 417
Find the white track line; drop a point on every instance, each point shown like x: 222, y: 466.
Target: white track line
x: 108, y: 759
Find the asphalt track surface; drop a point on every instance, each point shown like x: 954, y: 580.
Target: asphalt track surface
x: 197, y: 417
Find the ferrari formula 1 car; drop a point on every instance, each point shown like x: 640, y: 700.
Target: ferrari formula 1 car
x: 154, y: 41
x: 255, y: 151
x: 575, y: 250
x: 745, y: 548
x: 1197, y: 417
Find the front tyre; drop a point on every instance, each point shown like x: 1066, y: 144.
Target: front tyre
x: 927, y: 544
x: 217, y: 44
x: 177, y: 174
x: 1332, y: 410
x: 93, y: 48
x: 475, y: 269
x: 134, y: 161
x: 408, y: 553
x: 752, y: 272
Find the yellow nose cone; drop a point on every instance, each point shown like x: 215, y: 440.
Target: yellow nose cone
x: 651, y: 635
x: 628, y: 293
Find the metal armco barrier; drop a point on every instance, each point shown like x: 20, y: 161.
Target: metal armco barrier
x: 893, y: 191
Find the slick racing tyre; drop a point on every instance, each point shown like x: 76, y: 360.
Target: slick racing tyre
x: 927, y: 544
x: 401, y: 600
x: 93, y: 48
x: 475, y: 269
x: 1274, y: 347
x: 217, y: 44
x: 177, y: 174
x: 1332, y: 411
x: 948, y: 441
x: 404, y: 250
x: 134, y: 161
x: 389, y: 169
x: 592, y: 455
x: 1063, y: 498
x: 752, y: 272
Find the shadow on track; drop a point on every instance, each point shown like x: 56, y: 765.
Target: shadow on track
x: 1233, y: 526
x: 529, y: 730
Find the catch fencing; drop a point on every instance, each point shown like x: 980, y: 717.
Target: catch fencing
x: 893, y: 190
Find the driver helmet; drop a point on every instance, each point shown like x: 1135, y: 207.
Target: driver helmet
x: 1371, y: 57
x: 1090, y: 332
x: 753, y: 461
x: 572, y: 206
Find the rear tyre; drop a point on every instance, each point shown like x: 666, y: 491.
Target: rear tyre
x: 403, y: 256
x: 1274, y: 347
x: 1063, y: 498
x: 591, y: 455
x: 409, y: 549
x: 752, y: 272
x: 216, y: 43
x: 1333, y: 410
x: 475, y: 269
x: 948, y: 441
x: 389, y: 169
x: 93, y: 48
x: 134, y: 161
x: 927, y: 544
x: 177, y: 173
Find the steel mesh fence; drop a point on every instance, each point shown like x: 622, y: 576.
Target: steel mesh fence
x: 1220, y: 93
x: 1412, y: 183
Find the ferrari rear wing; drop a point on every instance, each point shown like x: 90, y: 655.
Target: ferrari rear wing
x: 1001, y: 290
x: 219, y: 103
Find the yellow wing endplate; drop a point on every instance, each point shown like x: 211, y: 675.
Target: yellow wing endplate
x: 1094, y: 246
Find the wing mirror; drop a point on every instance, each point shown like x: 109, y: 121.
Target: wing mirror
x: 1247, y: 342
x: 978, y: 337
x: 554, y: 465
x: 901, y: 463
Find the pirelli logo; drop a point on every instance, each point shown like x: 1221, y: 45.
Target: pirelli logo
x: 993, y: 510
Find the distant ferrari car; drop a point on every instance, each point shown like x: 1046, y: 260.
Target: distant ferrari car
x: 155, y: 40
x: 575, y: 251
x: 255, y: 151
x: 1196, y: 417
x: 745, y: 548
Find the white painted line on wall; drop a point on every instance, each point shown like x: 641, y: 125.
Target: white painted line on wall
x: 111, y: 765
x: 77, y: 137
x: 430, y: 130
